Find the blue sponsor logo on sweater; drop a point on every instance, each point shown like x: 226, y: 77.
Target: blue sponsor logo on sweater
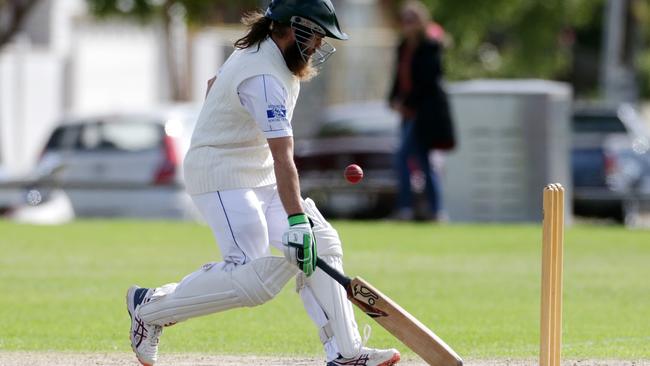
x: 276, y: 113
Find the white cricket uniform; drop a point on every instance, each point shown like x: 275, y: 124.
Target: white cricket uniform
x: 244, y: 210
x: 265, y: 99
x: 245, y: 220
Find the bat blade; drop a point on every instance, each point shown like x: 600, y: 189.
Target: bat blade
x: 401, y: 324
x: 394, y: 319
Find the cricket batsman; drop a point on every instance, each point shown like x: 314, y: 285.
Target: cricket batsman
x: 241, y: 175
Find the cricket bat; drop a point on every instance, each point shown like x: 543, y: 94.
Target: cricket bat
x: 394, y: 319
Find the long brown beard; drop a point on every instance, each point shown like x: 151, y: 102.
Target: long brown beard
x: 299, y: 67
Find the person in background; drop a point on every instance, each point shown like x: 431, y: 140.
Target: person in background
x: 417, y: 94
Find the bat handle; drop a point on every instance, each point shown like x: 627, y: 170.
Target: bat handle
x: 334, y: 273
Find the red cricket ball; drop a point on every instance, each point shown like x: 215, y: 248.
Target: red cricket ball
x: 353, y: 173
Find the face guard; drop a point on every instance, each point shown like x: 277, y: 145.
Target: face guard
x: 308, y: 34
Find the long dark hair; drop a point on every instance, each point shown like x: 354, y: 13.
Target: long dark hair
x: 259, y: 28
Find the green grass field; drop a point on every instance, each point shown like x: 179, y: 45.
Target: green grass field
x: 478, y: 287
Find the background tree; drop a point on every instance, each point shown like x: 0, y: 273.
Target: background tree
x: 12, y: 15
x: 641, y: 13
x: 169, y: 13
x: 550, y: 39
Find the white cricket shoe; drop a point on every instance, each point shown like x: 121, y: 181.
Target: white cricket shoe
x: 144, y: 337
x: 369, y: 357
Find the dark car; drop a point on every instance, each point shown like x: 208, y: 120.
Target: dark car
x: 610, y: 161
x: 361, y: 133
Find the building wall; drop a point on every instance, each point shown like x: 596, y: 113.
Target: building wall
x: 115, y: 67
x: 31, y: 82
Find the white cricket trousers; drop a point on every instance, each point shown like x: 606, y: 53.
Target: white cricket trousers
x: 246, y: 222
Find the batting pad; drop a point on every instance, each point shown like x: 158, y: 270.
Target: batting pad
x: 324, y: 299
x: 211, y: 289
x: 339, y: 325
x: 327, y: 239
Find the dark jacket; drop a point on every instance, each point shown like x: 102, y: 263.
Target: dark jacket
x: 433, y: 123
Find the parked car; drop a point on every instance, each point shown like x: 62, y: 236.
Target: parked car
x: 120, y: 165
x: 610, y: 161
x: 10, y: 194
x: 364, y: 133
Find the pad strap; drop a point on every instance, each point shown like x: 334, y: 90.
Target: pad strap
x: 325, y: 333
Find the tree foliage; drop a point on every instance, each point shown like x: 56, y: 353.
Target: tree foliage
x: 642, y: 12
x: 532, y: 39
x: 549, y: 39
x: 198, y: 12
x: 503, y: 38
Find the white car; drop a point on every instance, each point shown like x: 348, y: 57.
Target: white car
x: 11, y: 194
x: 120, y: 165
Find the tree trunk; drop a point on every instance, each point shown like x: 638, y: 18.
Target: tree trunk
x: 176, y: 61
x: 621, y: 45
x: 18, y: 11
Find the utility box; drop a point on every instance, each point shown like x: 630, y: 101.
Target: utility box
x: 513, y: 138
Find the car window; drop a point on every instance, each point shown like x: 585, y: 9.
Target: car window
x: 56, y: 140
x: 64, y: 138
x: 90, y: 138
x: 130, y: 136
x: 379, y: 125
x: 122, y: 135
x: 605, y: 124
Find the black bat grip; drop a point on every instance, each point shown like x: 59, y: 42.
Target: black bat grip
x: 334, y: 273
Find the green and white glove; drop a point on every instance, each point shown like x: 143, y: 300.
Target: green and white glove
x: 300, y: 244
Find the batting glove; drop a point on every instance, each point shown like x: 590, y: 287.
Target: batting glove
x: 300, y: 244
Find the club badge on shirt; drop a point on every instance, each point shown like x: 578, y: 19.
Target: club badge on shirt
x: 275, y: 113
